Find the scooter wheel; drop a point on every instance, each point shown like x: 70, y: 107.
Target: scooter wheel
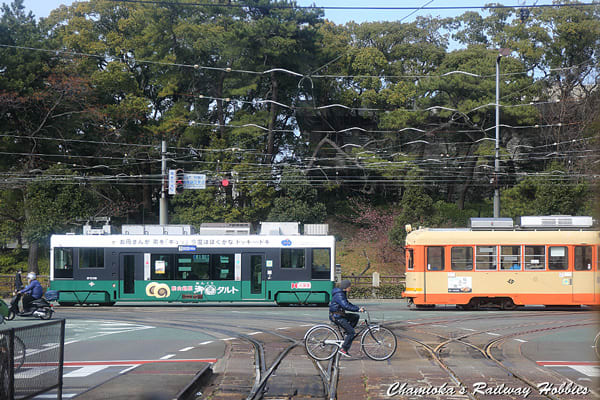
x: 11, y: 315
x: 47, y: 314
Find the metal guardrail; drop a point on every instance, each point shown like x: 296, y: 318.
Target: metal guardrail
x: 368, y: 280
x: 31, y: 360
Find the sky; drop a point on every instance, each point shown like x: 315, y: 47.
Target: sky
x: 42, y: 8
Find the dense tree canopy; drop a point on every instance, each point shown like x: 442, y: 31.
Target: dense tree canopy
x: 301, y: 115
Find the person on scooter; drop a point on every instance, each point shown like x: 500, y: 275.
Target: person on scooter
x: 31, y: 292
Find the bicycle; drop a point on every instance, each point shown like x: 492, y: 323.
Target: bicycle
x: 19, y: 346
x: 379, y: 343
x: 5, y: 355
x: 597, y: 345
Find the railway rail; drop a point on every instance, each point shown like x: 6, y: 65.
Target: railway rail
x: 510, y: 383
x: 268, y: 355
x: 270, y: 363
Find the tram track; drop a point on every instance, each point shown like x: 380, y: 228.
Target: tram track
x: 486, y: 353
x: 268, y: 355
x: 263, y: 374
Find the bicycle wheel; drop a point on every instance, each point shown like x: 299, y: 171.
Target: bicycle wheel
x: 4, y: 368
x: 597, y: 345
x: 378, y: 343
x: 316, y: 345
x: 19, y: 353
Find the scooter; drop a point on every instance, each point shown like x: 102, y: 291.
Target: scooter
x: 38, y: 308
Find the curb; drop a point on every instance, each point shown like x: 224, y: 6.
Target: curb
x: 199, y: 380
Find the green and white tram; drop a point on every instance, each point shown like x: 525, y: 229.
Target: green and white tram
x: 224, y: 262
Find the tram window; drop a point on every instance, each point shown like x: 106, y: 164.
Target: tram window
x: 63, y: 262
x: 162, y: 265
x: 558, y: 258
x: 461, y: 258
x: 510, y: 257
x: 583, y: 258
x: 222, y: 267
x: 321, y: 264
x: 535, y: 257
x: 435, y: 258
x: 91, y: 258
x: 410, y: 264
x: 193, y: 267
x: 292, y: 258
x: 486, y: 258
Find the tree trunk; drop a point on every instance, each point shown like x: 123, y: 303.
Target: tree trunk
x: 32, y: 260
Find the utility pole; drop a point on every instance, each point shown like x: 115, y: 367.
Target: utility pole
x: 501, y: 52
x: 163, y: 205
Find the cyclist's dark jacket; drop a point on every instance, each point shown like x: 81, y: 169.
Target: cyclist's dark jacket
x: 339, y: 302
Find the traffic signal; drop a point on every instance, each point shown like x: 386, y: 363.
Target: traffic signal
x: 224, y: 182
x: 179, y: 181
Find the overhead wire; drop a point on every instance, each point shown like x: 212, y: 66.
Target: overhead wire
x: 360, y: 8
x: 112, y: 58
x: 195, y: 66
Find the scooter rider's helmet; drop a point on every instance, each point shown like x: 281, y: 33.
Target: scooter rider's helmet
x: 31, y: 276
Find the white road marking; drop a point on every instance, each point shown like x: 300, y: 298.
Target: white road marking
x: 255, y: 333
x: 53, y: 396
x: 589, y: 370
x: 493, y: 334
x: 229, y: 338
x: 85, y: 371
x: 207, y: 342
x: 167, y: 356
x: 468, y: 329
x: 521, y: 340
x: 29, y: 373
x: 129, y: 369
x: 186, y: 349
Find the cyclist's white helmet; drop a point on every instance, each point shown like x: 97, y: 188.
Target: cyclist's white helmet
x: 31, y: 276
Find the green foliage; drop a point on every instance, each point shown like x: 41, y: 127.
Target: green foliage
x: 298, y: 200
x: 559, y: 195
x: 382, y: 292
x: 416, y: 208
x: 12, y: 261
x: 172, y: 72
x: 51, y: 206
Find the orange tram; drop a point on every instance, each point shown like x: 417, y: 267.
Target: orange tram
x: 552, y: 260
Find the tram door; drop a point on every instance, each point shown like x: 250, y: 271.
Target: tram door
x: 582, y: 279
x: 128, y: 274
x: 253, y: 276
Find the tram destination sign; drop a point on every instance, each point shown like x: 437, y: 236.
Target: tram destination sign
x: 187, y: 248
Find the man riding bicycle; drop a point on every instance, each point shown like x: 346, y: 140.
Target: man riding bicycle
x: 338, y: 306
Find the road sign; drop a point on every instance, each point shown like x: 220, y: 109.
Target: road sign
x: 194, y: 181
x: 190, y: 181
x: 172, y: 181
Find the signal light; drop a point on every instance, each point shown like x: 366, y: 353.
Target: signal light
x: 179, y: 175
x: 224, y: 182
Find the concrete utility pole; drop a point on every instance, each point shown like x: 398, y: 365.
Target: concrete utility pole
x: 163, y: 206
x: 501, y: 52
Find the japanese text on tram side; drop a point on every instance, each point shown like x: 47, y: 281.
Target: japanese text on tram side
x: 485, y: 389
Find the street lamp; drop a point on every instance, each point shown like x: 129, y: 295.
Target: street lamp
x: 501, y: 52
